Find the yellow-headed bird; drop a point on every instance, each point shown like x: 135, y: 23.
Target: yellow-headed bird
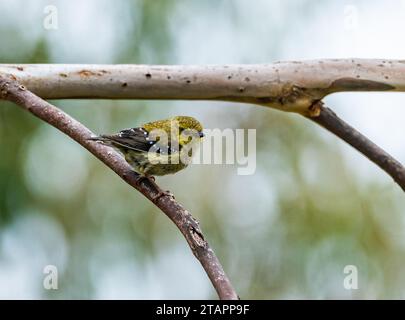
x: 157, y: 148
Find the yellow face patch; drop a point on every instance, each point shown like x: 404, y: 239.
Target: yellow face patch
x: 185, y: 122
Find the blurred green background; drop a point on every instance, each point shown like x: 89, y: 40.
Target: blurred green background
x: 312, y: 207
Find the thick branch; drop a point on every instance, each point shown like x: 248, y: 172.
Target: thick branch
x: 189, y: 227
x: 330, y: 121
x: 289, y: 86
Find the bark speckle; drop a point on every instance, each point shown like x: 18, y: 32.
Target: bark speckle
x: 86, y: 73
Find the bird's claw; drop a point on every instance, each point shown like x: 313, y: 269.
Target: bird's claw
x: 162, y: 194
x: 141, y: 178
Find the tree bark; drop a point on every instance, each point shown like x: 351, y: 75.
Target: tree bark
x: 288, y: 86
x: 330, y: 121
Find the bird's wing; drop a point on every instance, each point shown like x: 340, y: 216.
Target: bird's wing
x: 136, y: 139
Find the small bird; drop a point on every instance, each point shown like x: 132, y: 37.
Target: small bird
x: 157, y: 148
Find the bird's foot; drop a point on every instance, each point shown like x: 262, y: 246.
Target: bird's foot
x: 151, y: 180
x: 142, y: 177
x: 162, y: 194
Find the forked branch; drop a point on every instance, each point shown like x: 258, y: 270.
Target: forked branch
x: 296, y: 86
x: 331, y: 122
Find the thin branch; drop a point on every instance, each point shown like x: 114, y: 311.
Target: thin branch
x: 330, y: 121
x: 289, y: 86
x: 11, y: 90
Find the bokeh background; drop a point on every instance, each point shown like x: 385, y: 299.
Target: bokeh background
x: 313, y: 206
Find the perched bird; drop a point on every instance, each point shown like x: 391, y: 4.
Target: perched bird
x: 157, y: 148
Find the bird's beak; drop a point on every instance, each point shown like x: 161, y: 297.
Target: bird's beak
x: 201, y: 134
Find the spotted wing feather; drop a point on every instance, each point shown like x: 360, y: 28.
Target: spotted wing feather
x: 136, y: 139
